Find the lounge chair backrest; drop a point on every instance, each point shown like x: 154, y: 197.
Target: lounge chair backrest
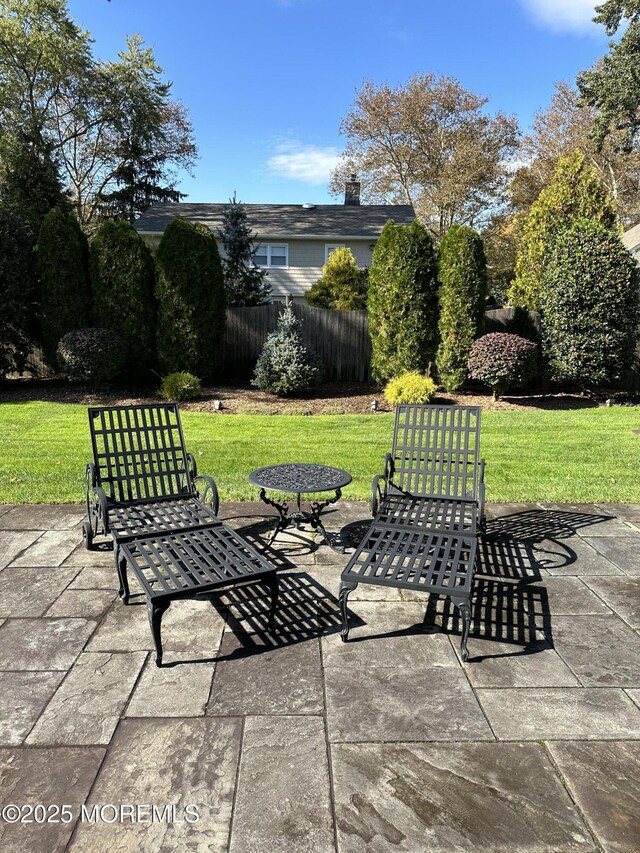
x: 139, y: 452
x: 436, y: 450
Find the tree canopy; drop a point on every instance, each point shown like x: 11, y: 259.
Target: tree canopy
x: 613, y: 84
x: 111, y: 128
x: 430, y: 143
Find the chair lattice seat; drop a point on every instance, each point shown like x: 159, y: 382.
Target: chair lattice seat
x: 129, y: 521
x: 428, y: 513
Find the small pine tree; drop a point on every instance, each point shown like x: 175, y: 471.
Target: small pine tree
x: 343, y: 286
x: 191, y: 299
x: 402, y: 301
x: 575, y: 192
x: 244, y: 281
x: 462, y: 296
x: 285, y: 364
x: 122, y: 283
x: 589, y: 306
x: 61, y: 264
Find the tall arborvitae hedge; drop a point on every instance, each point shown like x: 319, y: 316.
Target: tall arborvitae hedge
x: 61, y: 263
x: 402, y: 301
x: 463, y: 295
x: 17, y: 291
x: 122, y: 285
x: 191, y: 299
x: 589, y: 306
x: 575, y: 192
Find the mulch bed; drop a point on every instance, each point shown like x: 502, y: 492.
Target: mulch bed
x: 329, y: 399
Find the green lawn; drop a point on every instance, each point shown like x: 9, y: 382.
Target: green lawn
x: 578, y: 456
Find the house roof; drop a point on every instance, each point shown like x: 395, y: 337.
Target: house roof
x: 285, y: 220
x: 631, y: 238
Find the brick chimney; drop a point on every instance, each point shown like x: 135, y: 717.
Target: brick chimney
x: 352, y: 192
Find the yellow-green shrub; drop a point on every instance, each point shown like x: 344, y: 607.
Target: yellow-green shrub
x: 409, y: 387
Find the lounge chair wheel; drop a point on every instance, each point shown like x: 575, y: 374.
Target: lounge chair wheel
x: 87, y: 535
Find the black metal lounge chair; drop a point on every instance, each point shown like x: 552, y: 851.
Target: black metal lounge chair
x: 142, y: 480
x: 428, y: 507
x: 143, y: 488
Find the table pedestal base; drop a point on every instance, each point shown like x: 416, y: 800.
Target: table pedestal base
x: 299, y: 516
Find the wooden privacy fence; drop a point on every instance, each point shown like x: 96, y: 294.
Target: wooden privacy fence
x: 340, y: 338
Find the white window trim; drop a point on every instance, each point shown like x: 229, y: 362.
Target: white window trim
x: 329, y: 247
x: 269, y: 247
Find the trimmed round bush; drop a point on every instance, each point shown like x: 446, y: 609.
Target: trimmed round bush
x: 91, y: 355
x: 180, y: 386
x: 502, y: 361
x: 409, y: 387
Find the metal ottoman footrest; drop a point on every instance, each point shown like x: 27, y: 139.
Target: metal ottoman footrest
x: 189, y: 564
x: 408, y: 558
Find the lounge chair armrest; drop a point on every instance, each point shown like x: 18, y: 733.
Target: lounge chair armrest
x: 378, y: 493
x: 481, y: 496
x: 207, y: 491
x: 481, y: 465
x: 192, y: 466
x: 96, y: 501
x: 389, y: 468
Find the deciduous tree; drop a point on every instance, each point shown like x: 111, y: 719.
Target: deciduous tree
x: 430, y: 143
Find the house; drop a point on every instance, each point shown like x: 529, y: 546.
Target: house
x: 293, y: 241
x: 631, y: 240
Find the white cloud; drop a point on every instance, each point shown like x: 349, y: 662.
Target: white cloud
x: 575, y: 15
x: 307, y: 163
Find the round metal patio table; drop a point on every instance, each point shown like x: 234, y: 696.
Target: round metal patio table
x: 300, y: 478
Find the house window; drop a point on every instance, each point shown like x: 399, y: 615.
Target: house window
x: 272, y: 255
x: 329, y: 247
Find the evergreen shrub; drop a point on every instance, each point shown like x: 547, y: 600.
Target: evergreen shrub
x: 462, y: 297
x: 285, y: 365
x: 63, y: 280
x: 180, y: 386
x: 91, y: 355
x: 503, y: 361
x: 191, y: 299
x: 576, y: 191
x: 123, y: 282
x: 402, y: 301
x: 343, y: 286
x: 410, y: 387
x: 589, y: 308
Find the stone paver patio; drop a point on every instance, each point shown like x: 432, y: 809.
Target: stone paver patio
x: 298, y: 742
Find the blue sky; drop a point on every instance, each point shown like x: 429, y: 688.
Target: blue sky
x: 267, y: 82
